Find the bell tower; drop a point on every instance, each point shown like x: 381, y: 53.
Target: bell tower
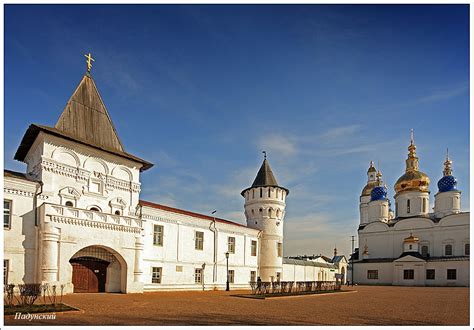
x: 265, y: 211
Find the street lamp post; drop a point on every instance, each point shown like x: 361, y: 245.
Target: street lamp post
x: 227, y: 282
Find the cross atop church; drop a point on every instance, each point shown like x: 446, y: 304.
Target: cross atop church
x: 89, y: 62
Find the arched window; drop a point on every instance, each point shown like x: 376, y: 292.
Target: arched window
x: 396, y: 209
x: 408, y: 206
x: 276, y: 193
x: 278, y: 213
x: 261, y: 192
x: 117, y: 212
x: 253, y: 212
x: 261, y: 210
x: 69, y: 203
x: 410, y: 247
x: 94, y: 209
x: 448, y: 250
x: 424, y: 251
x: 270, y: 212
x: 253, y: 193
x: 424, y: 209
x: 269, y: 192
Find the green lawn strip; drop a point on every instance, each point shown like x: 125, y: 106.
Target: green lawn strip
x: 38, y: 309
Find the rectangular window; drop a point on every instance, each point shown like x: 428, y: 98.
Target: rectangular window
x: 6, y: 268
x: 424, y: 205
x: 156, y: 274
x: 373, y: 274
x: 253, y: 249
x: 7, y: 213
x: 278, y: 276
x: 279, y: 249
x: 157, y: 235
x: 448, y: 250
x: 466, y: 249
x: 231, y: 276
x: 199, y: 240
x: 198, y: 275
x: 430, y: 274
x: 408, y: 206
x: 408, y: 274
x: 231, y: 244
x: 451, y: 274
x: 424, y: 251
x: 253, y: 276
x: 179, y: 269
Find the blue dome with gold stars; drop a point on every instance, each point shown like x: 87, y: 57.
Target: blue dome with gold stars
x: 378, y: 193
x: 447, y: 183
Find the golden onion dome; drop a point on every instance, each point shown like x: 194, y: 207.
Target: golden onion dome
x: 413, y: 179
x: 368, y: 188
x: 411, y: 239
x: 371, y: 183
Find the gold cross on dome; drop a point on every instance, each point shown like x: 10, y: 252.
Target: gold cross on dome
x: 89, y: 63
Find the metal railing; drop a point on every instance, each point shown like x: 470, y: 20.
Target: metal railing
x: 293, y: 287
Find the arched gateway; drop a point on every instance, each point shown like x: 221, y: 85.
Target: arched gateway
x: 98, y: 269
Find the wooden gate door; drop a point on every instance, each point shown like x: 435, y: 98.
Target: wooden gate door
x: 89, y: 275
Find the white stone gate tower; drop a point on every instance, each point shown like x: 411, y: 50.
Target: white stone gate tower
x: 265, y: 211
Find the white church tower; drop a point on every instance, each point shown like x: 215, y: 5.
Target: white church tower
x: 265, y: 210
x: 365, y: 196
x: 412, y: 188
x: 378, y: 205
x: 448, y: 198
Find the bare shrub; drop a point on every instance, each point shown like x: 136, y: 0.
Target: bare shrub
x: 8, y: 294
x: 29, y: 293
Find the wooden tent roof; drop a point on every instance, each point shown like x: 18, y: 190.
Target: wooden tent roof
x: 84, y: 120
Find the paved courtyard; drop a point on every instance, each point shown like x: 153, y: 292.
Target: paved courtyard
x: 369, y: 305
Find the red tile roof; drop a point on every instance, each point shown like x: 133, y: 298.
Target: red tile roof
x: 193, y: 214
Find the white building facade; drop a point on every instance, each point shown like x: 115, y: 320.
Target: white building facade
x: 412, y: 246
x: 75, y: 217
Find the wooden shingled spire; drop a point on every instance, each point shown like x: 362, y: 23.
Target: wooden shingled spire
x: 86, y: 118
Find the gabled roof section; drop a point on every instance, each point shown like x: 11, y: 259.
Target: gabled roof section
x: 86, y: 118
x: 189, y: 213
x: 17, y: 175
x: 34, y: 129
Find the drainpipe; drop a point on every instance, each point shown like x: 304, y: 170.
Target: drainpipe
x: 212, y: 227
x: 259, y: 236
x: 35, y: 201
x: 35, y: 204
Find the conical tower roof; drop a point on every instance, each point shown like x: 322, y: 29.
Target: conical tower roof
x: 86, y: 118
x: 265, y: 178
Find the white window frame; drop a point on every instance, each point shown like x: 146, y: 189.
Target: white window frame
x: 156, y: 275
x: 199, y: 241
x: 158, y: 236
x: 231, y: 244
x: 253, y: 248
x: 10, y: 203
x: 6, y: 270
x: 198, y: 275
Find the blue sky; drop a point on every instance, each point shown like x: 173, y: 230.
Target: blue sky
x: 201, y: 90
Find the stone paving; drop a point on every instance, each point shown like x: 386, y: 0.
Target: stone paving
x: 366, y: 305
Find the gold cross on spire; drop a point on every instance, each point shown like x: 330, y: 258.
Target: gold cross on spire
x: 89, y: 63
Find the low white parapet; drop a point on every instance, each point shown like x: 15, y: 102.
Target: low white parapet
x: 74, y: 216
